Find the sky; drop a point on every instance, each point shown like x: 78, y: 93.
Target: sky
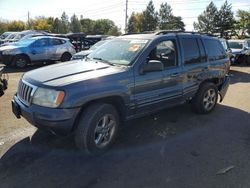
x: 107, y: 9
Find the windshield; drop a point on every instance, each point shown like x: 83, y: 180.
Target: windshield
x: 119, y: 51
x: 11, y: 36
x: 96, y: 45
x: 25, y: 42
x: 236, y: 45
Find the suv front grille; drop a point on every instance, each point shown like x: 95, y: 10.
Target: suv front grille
x: 25, y: 92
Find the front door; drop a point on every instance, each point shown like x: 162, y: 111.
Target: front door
x: 38, y: 51
x: 156, y: 90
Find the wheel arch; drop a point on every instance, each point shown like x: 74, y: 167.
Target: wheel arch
x: 116, y: 101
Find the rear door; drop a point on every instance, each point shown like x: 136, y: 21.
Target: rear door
x: 38, y: 51
x: 195, y: 63
x: 55, y: 49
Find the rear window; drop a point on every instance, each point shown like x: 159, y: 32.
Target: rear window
x: 56, y: 42
x: 235, y: 45
x: 215, y: 50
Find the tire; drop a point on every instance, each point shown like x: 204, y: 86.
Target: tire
x: 97, y: 128
x: 205, y: 99
x: 20, y: 61
x: 66, y: 57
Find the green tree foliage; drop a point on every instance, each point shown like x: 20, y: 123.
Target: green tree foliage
x: 207, y: 20
x: 41, y: 23
x: 135, y: 23
x: 16, y: 26
x: 149, y: 19
x: 243, y: 23
x: 3, y: 26
x: 87, y: 25
x: 167, y: 21
x: 56, y: 26
x: 64, y: 27
x: 75, y: 24
x: 225, y: 20
x: 105, y: 26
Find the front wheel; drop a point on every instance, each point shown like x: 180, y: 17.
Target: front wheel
x: 20, y: 61
x: 206, y: 98
x: 97, y: 128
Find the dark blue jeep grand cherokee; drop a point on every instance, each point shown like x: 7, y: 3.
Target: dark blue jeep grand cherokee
x: 129, y: 76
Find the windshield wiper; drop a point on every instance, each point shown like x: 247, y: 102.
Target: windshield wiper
x: 103, y: 60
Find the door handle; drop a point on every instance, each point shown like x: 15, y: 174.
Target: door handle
x: 33, y: 52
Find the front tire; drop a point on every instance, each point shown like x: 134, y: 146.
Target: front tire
x: 20, y: 61
x: 97, y: 128
x: 205, y: 99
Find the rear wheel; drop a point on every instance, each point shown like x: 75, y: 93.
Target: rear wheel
x: 20, y: 61
x: 66, y: 57
x: 205, y: 99
x: 97, y: 128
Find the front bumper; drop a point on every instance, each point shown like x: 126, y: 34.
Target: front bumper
x: 223, y: 88
x: 58, y: 121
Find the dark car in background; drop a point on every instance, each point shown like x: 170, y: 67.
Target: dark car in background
x: 37, y: 49
x: 84, y: 53
x: 128, y: 77
x: 240, y: 51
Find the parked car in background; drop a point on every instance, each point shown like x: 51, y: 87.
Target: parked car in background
x: 4, y: 35
x: 125, y: 78
x: 9, y: 38
x: 240, y: 51
x: 84, y: 53
x: 37, y: 49
x: 225, y: 45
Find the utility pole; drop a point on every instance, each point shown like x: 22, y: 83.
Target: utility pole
x: 126, y: 16
x: 28, y: 20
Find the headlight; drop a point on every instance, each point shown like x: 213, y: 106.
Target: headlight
x: 48, y: 97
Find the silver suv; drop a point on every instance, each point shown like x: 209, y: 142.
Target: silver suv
x: 37, y: 49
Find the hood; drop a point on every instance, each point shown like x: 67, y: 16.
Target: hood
x: 70, y: 72
x: 8, y: 47
x: 83, y: 53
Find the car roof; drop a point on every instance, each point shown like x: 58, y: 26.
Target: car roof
x: 50, y: 37
x: 235, y: 40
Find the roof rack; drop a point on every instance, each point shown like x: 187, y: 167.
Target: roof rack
x: 164, y: 32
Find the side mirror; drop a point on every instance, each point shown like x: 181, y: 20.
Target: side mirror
x: 151, y: 66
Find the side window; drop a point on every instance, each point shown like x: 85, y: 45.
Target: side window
x: 215, y: 50
x: 191, y: 51
x: 203, y: 56
x: 41, y: 43
x: 165, y: 52
x: 55, y: 42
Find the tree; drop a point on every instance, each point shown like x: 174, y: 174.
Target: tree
x: 132, y: 25
x: 3, y: 27
x: 75, y: 25
x: 87, y: 25
x: 225, y: 20
x: 207, y: 20
x: 165, y: 15
x: 56, y: 25
x: 41, y: 23
x: 104, y: 27
x: 64, y: 28
x: 167, y: 20
x: 243, y: 23
x: 16, y: 25
x: 149, y: 19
